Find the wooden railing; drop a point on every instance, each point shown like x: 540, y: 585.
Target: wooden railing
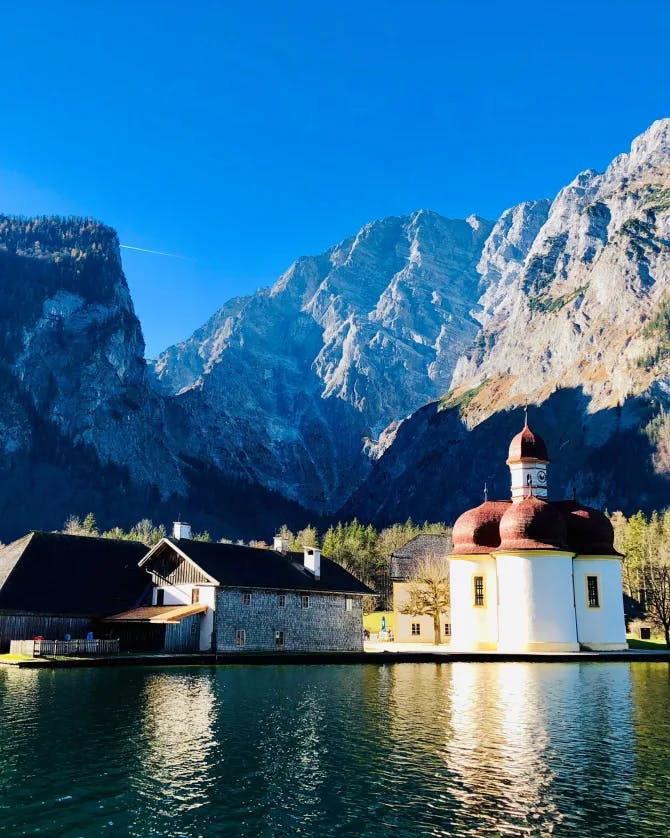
x: 57, y: 648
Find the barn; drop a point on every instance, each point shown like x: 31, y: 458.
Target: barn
x: 52, y: 584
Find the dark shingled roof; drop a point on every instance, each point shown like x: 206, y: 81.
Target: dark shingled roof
x: 237, y: 566
x: 54, y: 573
x: 405, y: 560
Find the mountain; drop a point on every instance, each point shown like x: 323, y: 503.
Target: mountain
x: 292, y: 382
x: 379, y: 379
x: 80, y: 426
x: 575, y: 317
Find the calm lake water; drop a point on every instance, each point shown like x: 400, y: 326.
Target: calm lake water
x: 452, y: 749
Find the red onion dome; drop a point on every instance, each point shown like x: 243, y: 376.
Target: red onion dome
x: 533, y: 524
x: 477, y: 530
x: 527, y: 445
x: 590, y: 532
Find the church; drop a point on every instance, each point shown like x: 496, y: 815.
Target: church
x: 534, y: 575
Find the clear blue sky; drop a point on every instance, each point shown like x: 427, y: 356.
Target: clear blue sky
x: 240, y: 135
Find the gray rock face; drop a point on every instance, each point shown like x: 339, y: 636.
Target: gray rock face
x: 74, y: 348
x: 292, y: 382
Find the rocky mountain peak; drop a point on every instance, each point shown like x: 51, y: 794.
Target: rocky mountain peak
x: 359, y: 336
x: 571, y: 308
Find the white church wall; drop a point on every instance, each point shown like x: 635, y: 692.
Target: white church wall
x: 603, y: 627
x: 473, y: 627
x: 536, y: 610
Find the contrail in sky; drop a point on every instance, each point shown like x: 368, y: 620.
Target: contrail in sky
x: 155, y: 252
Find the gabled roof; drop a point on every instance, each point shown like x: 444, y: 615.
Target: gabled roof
x: 54, y: 573
x: 238, y: 566
x: 405, y: 560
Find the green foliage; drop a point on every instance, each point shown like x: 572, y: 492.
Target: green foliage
x: 544, y: 304
x: 89, y: 526
x: 646, y: 568
x: 462, y: 401
x: 656, y: 197
x: 658, y: 328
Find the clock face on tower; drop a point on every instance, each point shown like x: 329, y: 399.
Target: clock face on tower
x: 541, y: 477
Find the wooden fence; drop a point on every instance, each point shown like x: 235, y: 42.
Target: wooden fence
x: 54, y: 648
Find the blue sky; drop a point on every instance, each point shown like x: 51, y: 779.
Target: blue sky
x: 241, y: 135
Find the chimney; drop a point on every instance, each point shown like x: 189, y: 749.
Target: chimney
x: 280, y: 545
x: 313, y: 561
x: 180, y: 529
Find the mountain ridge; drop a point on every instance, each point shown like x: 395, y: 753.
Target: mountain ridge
x: 368, y: 380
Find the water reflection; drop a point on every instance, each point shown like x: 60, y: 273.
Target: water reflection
x: 524, y: 745
x: 178, y: 718
x: 410, y: 750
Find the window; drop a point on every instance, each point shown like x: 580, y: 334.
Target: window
x: 447, y: 629
x: 416, y: 629
x: 240, y: 637
x: 592, y: 594
x: 479, y: 591
x: 348, y: 603
x: 279, y: 638
x: 160, y: 597
x: 304, y: 601
x: 246, y: 599
x: 195, y: 595
x: 281, y: 600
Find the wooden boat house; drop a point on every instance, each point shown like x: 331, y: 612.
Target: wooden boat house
x: 52, y: 584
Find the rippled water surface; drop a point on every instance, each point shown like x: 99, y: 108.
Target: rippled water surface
x: 452, y: 749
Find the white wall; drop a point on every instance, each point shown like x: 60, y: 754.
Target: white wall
x: 473, y: 627
x: 604, y: 627
x: 182, y: 595
x: 520, y: 472
x: 536, y: 608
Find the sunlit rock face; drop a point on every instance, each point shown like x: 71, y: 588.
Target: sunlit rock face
x: 575, y: 317
x: 294, y: 383
x: 577, y: 292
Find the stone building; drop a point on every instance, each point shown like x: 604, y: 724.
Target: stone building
x: 233, y: 598
x: 414, y: 628
x: 531, y: 574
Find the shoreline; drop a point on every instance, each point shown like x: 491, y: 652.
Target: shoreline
x: 372, y: 656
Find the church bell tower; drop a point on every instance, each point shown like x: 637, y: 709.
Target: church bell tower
x: 528, y: 460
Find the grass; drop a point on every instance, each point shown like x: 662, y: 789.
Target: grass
x: 373, y: 622
x: 462, y: 401
x: 8, y: 658
x: 657, y: 643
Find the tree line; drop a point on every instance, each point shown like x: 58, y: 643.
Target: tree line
x: 645, y: 542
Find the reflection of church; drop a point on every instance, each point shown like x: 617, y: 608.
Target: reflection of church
x: 529, y: 574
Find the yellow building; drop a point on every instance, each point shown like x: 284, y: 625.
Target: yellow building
x: 411, y: 628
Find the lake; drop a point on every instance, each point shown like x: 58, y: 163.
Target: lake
x: 363, y: 750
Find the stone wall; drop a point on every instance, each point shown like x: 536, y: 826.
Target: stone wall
x: 325, y: 625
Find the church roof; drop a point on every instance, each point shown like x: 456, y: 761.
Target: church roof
x: 478, y: 529
x: 533, y: 524
x: 527, y: 445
